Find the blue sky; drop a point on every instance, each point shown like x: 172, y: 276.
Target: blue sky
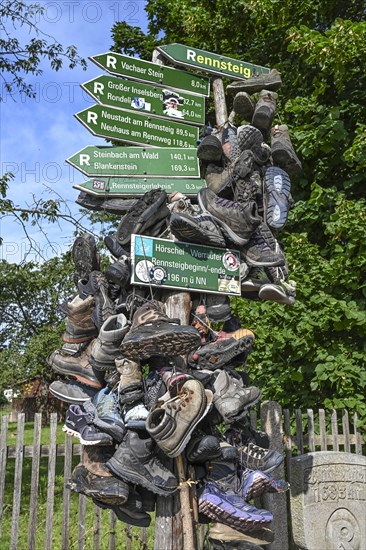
x: 37, y: 135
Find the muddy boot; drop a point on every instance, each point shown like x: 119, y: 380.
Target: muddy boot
x: 106, y: 347
x: 130, y: 387
x: 80, y: 326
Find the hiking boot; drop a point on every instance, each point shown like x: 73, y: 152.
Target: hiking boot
x: 203, y: 448
x: 94, y: 459
x: 127, y: 514
x: 213, y: 501
x: 217, y: 177
x: 172, y: 423
x: 230, y: 398
x: 72, y: 391
x: 255, y: 483
x: 80, y: 424
x: 282, y: 293
x: 248, y: 136
x: 243, y: 105
x: 264, y: 112
x: 283, y: 153
x: 254, y: 457
x: 230, y: 142
x: 71, y: 347
x: 77, y: 366
x: 222, y: 351
x: 210, y: 149
x: 104, y: 307
x: 150, y: 208
x: 249, y: 188
x: 84, y: 254
x: 217, y: 307
x: 106, y: 346
x: 106, y: 489
x: 119, y: 272
x: 239, y: 221
x: 105, y: 203
x: 154, y: 333
x: 80, y: 326
x: 200, y: 228
x: 130, y: 380
x: 106, y: 413
x: 135, y: 417
x: 256, y: 278
x: 114, y: 246
x: 276, y: 190
x: 270, y: 81
x: 226, y: 534
x: 135, y: 461
x: 262, y: 154
x: 263, y: 249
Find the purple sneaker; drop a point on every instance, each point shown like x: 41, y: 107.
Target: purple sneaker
x: 231, y: 509
x: 256, y: 483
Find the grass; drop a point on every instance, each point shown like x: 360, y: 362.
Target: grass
x: 57, y: 517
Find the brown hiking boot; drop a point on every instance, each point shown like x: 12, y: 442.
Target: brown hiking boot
x: 154, y: 333
x: 77, y: 366
x: 95, y: 457
x: 264, y: 112
x: 225, y: 533
x: 283, y: 153
x: 131, y: 375
x: 80, y: 327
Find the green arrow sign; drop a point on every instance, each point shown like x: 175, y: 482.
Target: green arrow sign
x: 211, y: 62
x: 136, y: 161
x: 127, y: 187
x: 137, y: 128
x: 159, y: 102
x: 146, y: 71
x: 169, y: 264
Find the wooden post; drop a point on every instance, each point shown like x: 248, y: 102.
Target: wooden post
x: 219, y: 101
x: 271, y: 420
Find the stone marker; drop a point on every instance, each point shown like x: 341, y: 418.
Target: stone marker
x: 328, y: 501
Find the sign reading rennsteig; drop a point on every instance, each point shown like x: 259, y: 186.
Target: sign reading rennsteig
x: 137, y: 128
x: 211, y: 62
x: 160, y: 262
x: 159, y: 102
x: 146, y: 71
x: 123, y: 162
x: 127, y: 187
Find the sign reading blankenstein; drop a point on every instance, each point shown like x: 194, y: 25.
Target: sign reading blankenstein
x: 124, y: 162
x: 137, y: 128
x: 158, y: 102
x: 146, y: 71
x: 211, y: 62
x: 160, y: 262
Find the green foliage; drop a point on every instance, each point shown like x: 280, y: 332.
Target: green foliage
x: 32, y: 324
x: 17, y: 58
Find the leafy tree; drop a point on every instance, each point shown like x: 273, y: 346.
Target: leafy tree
x: 312, y: 354
x: 17, y: 58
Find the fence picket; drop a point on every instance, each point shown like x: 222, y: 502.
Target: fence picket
x: 299, y: 437
x: 112, y: 531
x: 3, y: 445
x: 323, y: 431
x: 66, y: 493
x: 345, y: 424
x: 310, y: 415
x: 34, y: 481
x: 97, y: 527
x: 335, y: 431
x: 82, y: 516
x: 51, y: 481
x: 17, y: 483
x: 288, y: 438
x: 358, y: 442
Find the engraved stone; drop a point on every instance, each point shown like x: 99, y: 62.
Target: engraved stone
x: 328, y: 501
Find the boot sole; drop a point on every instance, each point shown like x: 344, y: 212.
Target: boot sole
x: 260, y: 484
x: 273, y: 294
x: 67, y: 399
x: 276, y: 199
x: 86, y: 442
x: 261, y: 536
x: 212, y: 509
x: 178, y: 341
x: 92, y: 383
x: 222, y: 358
x: 138, y: 479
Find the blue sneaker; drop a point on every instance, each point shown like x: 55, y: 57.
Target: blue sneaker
x: 107, y: 417
x: 80, y: 424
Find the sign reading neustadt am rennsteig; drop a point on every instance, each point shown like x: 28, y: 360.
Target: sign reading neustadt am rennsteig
x: 160, y: 262
x: 127, y: 187
x: 124, y: 162
x: 137, y: 128
x: 134, y: 96
x: 146, y: 71
x: 211, y: 62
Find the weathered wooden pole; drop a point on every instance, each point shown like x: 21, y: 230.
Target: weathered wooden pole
x: 219, y: 101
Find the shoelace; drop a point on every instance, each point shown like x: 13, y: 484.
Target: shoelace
x: 255, y: 451
x: 181, y: 400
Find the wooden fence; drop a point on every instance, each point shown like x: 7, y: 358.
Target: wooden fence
x: 38, y: 511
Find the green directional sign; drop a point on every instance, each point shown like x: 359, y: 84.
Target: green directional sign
x: 211, y: 62
x: 138, y: 128
x: 158, y: 102
x: 146, y: 71
x: 127, y: 187
x: 123, y: 162
x: 164, y: 263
